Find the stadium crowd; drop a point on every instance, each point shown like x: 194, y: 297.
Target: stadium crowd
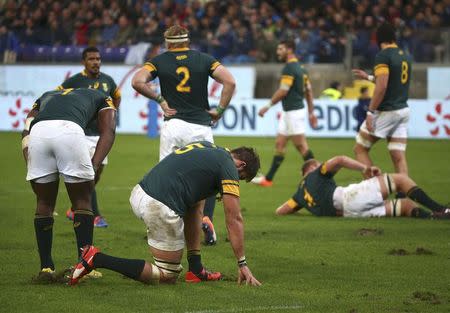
x: 232, y: 31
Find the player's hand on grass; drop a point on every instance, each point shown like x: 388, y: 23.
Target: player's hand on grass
x: 168, y: 111
x: 360, y: 74
x: 246, y: 276
x: 312, y: 120
x: 263, y: 111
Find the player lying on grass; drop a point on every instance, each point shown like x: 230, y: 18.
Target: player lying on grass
x: 320, y: 195
x: 170, y: 200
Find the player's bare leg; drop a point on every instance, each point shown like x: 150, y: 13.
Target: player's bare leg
x: 301, y: 145
x: 83, y: 220
x: 46, y: 194
x: 405, y: 207
x: 397, y: 147
x: 364, y: 142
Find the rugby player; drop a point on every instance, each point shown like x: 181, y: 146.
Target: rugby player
x: 183, y: 75
x: 294, y: 87
x: 170, y: 199
x: 320, y: 195
x: 91, y: 77
x: 54, y: 144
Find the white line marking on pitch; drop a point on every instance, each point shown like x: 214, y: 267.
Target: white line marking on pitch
x: 255, y: 309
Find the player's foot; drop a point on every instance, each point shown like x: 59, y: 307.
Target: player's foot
x: 69, y: 214
x: 262, y: 181
x: 99, y: 221
x: 208, y: 231
x: 85, y: 264
x: 442, y: 215
x: 45, y: 276
x: 203, y: 276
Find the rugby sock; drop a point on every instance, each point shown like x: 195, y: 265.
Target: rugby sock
x: 418, y: 195
x: 208, y: 210
x: 83, y: 224
x: 195, y: 261
x: 43, y: 226
x: 276, y: 162
x: 308, y: 155
x: 420, y: 213
x: 400, y: 195
x: 131, y: 268
x: 94, y: 203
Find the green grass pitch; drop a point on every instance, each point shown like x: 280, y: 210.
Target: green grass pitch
x: 306, y: 264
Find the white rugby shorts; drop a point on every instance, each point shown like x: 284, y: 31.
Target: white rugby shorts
x: 58, y: 146
x: 292, y: 122
x: 360, y: 200
x: 92, y: 144
x: 176, y: 133
x: 165, y: 229
x: 392, y: 124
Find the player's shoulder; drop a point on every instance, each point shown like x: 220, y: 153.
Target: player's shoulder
x: 106, y: 76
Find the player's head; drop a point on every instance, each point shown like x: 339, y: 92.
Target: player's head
x: 309, y: 166
x: 91, y: 60
x: 385, y: 34
x: 247, y: 162
x: 285, y: 47
x: 176, y: 36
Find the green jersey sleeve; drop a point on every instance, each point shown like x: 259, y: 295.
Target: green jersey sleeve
x: 287, y: 76
x: 229, y: 178
x: 381, y: 64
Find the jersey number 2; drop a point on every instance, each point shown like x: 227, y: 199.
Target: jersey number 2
x: 184, y: 72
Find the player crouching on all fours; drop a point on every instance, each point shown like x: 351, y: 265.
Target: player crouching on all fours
x: 320, y: 195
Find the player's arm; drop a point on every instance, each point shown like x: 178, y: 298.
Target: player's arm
x: 26, y: 130
x: 235, y: 228
x: 223, y: 76
x: 381, y: 82
x: 310, y: 101
x: 107, y: 128
x: 140, y: 84
x: 287, y: 80
x: 289, y: 207
x: 332, y: 166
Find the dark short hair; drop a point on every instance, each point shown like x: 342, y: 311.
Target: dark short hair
x: 290, y: 44
x: 251, y: 159
x: 385, y: 33
x: 87, y: 50
x: 307, y: 165
x: 363, y: 89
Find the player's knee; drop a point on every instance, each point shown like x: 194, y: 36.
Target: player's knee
x: 165, y: 272
x: 362, y: 144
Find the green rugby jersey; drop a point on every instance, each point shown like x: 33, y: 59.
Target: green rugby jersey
x: 77, y: 105
x: 294, y: 76
x: 103, y: 82
x: 183, y: 76
x: 397, y: 64
x: 315, y: 193
x: 191, y: 174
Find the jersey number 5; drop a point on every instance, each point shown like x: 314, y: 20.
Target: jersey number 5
x: 189, y: 148
x: 184, y: 72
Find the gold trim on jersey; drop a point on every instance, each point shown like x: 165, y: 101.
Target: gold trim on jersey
x: 287, y: 80
x: 60, y: 87
x: 230, y: 187
x: 292, y: 203
x: 110, y: 103
x: 381, y: 69
x: 214, y: 65
x: 83, y: 72
x: 230, y: 181
x: 178, y: 49
x: 292, y: 60
x: 150, y: 67
x: 392, y: 45
x: 117, y: 94
x: 323, y: 169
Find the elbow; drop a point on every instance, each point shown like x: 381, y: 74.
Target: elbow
x: 231, y: 84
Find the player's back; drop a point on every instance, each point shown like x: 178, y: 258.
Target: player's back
x: 397, y: 64
x: 76, y: 105
x: 191, y: 174
x: 183, y: 76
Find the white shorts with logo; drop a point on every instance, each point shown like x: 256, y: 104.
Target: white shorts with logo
x: 389, y: 124
x: 58, y: 146
x: 360, y: 200
x: 165, y: 229
x: 92, y: 144
x: 292, y: 122
x: 176, y: 133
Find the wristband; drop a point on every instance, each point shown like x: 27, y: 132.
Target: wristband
x: 370, y: 78
x: 370, y: 112
x: 159, y: 99
x: 25, y: 141
x: 220, y: 110
x: 242, y: 262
